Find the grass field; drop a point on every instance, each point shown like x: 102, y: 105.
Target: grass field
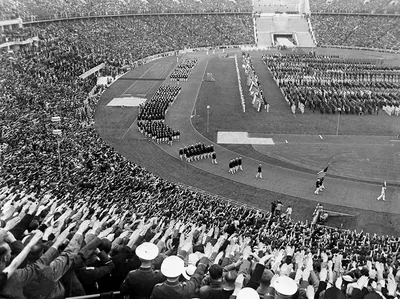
x: 360, y: 150
x: 223, y: 96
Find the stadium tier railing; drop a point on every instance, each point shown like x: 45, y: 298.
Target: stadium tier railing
x: 361, y: 48
x: 355, y: 14
x: 20, y: 42
x: 115, y: 295
x: 34, y: 19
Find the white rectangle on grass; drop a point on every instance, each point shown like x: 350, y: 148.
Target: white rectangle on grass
x: 241, y: 138
x: 126, y: 102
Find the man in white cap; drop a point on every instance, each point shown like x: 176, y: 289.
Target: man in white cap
x: 172, y: 268
x: 140, y: 282
x: 285, y: 287
x: 247, y: 293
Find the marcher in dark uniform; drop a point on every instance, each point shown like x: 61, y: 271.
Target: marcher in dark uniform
x: 211, y: 150
x: 214, y: 158
x: 234, y: 165
x: 259, y: 172
x: 181, y: 153
x: 240, y: 163
x: 231, y: 166
x: 172, y: 267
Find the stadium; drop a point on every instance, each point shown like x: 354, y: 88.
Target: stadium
x: 200, y: 149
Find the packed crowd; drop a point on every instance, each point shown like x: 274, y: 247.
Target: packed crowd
x: 380, y: 32
x: 183, y: 69
x: 356, y: 6
x: 151, y: 118
x: 165, y: 241
x: 336, y: 84
x: 197, y: 152
x: 19, y: 34
x: 39, y: 83
x: 36, y: 10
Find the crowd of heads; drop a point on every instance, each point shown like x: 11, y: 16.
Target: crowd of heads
x: 356, y: 6
x: 34, y: 10
x: 167, y: 239
x: 379, y: 32
x: 336, y: 85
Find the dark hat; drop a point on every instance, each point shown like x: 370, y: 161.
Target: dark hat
x: 105, y: 245
x: 372, y: 295
x: 334, y: 293
x: 215, y: 271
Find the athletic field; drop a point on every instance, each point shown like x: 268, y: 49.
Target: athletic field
x: 362, y: 150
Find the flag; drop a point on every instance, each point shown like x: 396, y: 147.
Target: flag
x: 253, y: 89
x: 323, y: 172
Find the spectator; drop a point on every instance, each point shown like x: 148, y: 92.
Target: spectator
x: 140, y: 283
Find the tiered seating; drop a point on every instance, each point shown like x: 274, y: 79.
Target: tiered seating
x: 36, y: 10
x: 356, y: 6
x: 357, y: 31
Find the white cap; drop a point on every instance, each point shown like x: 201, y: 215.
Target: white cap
x: 286, y: 286
x: 172, y: 266
x: 247, y: 293
x: 188, y: 271
x: 147, y: 251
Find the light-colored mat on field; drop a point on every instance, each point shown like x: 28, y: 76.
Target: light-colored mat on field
x: 241, y: 138
x: 126, y: 102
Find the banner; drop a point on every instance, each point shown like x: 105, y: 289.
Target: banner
x: 92, y: 71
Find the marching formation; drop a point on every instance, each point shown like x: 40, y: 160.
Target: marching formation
x: 235, y: 165
x: 197, y: 152
x: 336, y: 85
x: 151, y: 118
x: 253, y: 84
x: 184, y: 69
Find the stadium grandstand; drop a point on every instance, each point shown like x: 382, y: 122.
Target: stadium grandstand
x: 79, y: 219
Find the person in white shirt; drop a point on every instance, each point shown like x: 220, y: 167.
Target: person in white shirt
x: 383, y: 190
x: 289, y: 211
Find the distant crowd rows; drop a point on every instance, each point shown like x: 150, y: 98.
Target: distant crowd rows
x: 381, y: 32
x: 36, y: 10
x: 356, y: 6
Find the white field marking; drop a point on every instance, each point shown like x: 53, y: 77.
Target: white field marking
x: 127, y: 101
x: 321, y: 137
x: 130, y: 127
x: 241, y: 138
x: 161, y: 75
x: 140, y: 77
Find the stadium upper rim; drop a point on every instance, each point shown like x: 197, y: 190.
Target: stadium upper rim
x: 113, y: 14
